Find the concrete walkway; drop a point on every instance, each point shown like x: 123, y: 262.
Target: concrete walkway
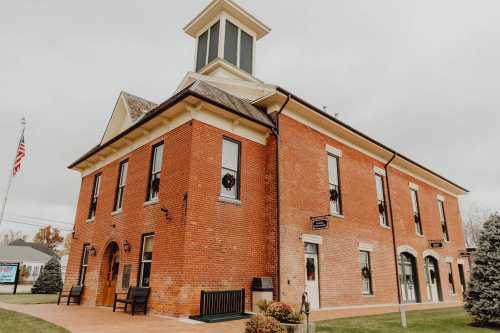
x: 81, y: 319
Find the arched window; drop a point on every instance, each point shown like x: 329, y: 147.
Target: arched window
x: 408, y: 278
x: 432, y: 280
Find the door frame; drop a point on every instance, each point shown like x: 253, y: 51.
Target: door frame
x: 318, y: 280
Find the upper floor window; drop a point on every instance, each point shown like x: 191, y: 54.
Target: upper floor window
x: 83, y: 264
x: 334, y: 185
x: 442, y: 219
x: 238, y: 47
x: 155, y: 171
x: 146, y: 260
x: 381, y: 205
x: 366, y: 274
x: 230, y: 173
x: 208, y: 46
x: 120, y: 187
x: 416, y: 211
x: 95, y: 196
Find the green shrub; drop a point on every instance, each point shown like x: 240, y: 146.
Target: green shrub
x: 264, y: 324
x: 295, y: 316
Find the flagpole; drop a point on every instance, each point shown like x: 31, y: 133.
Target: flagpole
x: 11, y: 173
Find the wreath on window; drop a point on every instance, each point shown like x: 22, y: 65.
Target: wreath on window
x: 381, y: 208
x: 310, y: 267
x: 228, y: 181
x: 334, y: 194
x: 417, y: 218
x: 365, y: 272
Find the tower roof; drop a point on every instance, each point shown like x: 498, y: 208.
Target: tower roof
x: 216, y: 7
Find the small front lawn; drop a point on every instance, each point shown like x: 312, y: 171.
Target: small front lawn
x: 29, y: 298
x: 450, y: 320
x: 14, y: 322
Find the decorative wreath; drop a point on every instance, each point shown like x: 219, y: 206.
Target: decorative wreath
x: 228, y: 181
x: 381, y: 208
x: 334, y: 194
x: 365, y: 271
x: 417, y: 218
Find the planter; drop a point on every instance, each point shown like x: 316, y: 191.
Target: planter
x: 299, y: 328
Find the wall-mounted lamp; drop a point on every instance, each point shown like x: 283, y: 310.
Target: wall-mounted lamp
x: 92, y: 251
x: 166, y: 212
x: 126, y: 246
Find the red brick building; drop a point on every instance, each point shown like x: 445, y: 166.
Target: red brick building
x: 232, y: 178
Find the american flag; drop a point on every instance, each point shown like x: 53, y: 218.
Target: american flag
x: 21, y: 152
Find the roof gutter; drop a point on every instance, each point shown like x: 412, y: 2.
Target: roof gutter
x: 366, y: 137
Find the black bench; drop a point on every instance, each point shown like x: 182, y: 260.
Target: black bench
x: 136, y: 297
x: 216, y: 306
x: 74, y: 295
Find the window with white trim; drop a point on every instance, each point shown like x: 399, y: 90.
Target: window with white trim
x: 230, y: 173
x: 208, y: 46
x: 366, y: 274
x: 155, y: 172
x: 442, y: 219
x: 95, y: 196
x: 83, y: 264
x: 381, y: 204
x: 416, y: 212
x: 451, y: 283
x: 334, y: 185
x: 120, y: 187
x: 146, y: 260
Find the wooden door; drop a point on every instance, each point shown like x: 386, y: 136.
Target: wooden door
x: 110, y: 286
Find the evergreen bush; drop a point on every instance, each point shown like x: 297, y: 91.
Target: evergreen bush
x: 49, y: 281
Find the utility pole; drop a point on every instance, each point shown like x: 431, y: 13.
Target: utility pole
x: 11, y: 172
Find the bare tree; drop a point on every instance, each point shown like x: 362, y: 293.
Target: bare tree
x: 9, y: 236
x: 474, y: 215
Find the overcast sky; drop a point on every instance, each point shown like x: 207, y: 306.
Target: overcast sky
x: 420, y: 76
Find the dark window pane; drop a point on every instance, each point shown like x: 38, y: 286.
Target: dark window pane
x: 214, y: 42
x: 231, y: 43
x: 201, y: 55
x: 146, y: 272
x: 311, y: 269
x: 246, y: 52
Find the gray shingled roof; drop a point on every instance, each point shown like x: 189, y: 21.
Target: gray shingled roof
x: 239, y: 105
x: 12, y: 253
x: 37, y: 246
x: 137, y: 106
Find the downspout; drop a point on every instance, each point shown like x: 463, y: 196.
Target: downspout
x: 276, y: 132
x: 393, y: 229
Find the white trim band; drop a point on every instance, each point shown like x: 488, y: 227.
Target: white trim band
x: 379, y: 171
x: 413, y: 186
x: 334, y: 151
x: 314, y: 239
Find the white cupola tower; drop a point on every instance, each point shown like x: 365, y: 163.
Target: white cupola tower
x: 225, y: 36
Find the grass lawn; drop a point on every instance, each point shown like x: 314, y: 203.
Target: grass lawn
x: 29, y: 298
x: 14, y: 322
x: 450, y: 320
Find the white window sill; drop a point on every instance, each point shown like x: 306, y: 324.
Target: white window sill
x: 151, y: 202
x: 116, y: 212
x: 388, y: 227
x: 368, y: 295
x: 90, y: 220
x: 338, y: 216
x: 421, y: 236
x: 230, y: 200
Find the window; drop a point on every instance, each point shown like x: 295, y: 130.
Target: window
x: 238, y: 47
x: 95, y: 196
x: 84, y: 264
x: 146, y: 260
x: 416, y: 212
x: 451, y: 283
x: 208, y: 46
x: 334, y: 184
x: 366, y: 274
x: 154, y: 177
x: 442, y: 219
x: 230, y: 173
x: 381, y: 205
x: 120, y: 187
